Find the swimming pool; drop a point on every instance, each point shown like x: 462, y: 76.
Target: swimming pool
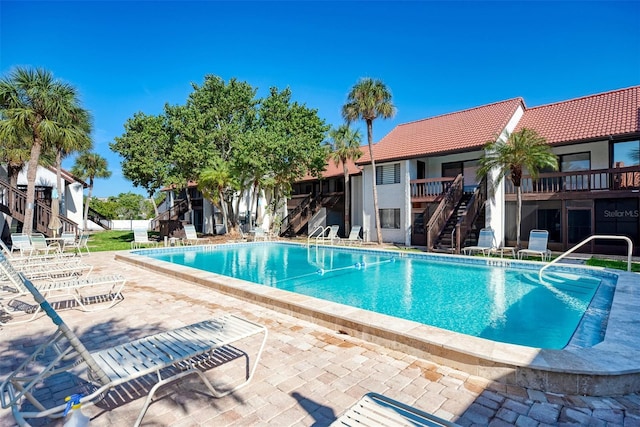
x: 493, y: 302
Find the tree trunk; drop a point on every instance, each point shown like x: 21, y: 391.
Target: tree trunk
x: 189, y: 207
x: 32, y: 172
x: 155, y: 207
x: 375, y: 190
x: 59, y: 177
x: 347, y: 200
x: 518, y: 215
x: 86, y: 205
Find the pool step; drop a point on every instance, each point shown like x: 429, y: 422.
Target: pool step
x: 565, y: 282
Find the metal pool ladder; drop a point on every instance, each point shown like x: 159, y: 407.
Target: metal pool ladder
x: 587, y: 240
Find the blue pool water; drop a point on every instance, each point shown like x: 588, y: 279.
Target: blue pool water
x: 497, y: 303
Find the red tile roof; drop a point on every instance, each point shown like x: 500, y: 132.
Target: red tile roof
x: 451, y: 132
x: 586, y: 118
x: 334, y: 171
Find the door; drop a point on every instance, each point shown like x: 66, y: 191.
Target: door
x: 579, y: 227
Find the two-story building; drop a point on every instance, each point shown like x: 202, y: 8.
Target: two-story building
x: 429, y: 194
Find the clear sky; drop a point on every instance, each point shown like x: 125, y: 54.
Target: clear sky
x: 435, y: 57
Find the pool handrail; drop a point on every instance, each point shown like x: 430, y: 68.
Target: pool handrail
x: 322, y: 231
x: 587, y: 240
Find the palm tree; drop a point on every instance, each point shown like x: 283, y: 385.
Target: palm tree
x: 37, y: 110
x: 345, y: 146
x: 90, y: 166
x: 74, y: 137
x: 368, y: 100
x: 216, y: 183
x: 522, y: 150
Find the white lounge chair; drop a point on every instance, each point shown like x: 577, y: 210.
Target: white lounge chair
x: 377, y: 410
x: 538, y: 240
x: 21, y: 242
x: 148, y: 362
x: 12, y: 290
x: 40, y: 245
x: 354, y: 236
x: 486, y: 243
x: 69, y: 241
x: 332, y: 236
x: 191, y: 237
x: 259, y: 234
x: 141, y: 239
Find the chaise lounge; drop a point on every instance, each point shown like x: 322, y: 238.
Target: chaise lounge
x: 158, y: 359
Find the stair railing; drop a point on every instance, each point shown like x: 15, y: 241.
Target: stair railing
x: 16, y: 202
x: 442, y: 213
x: 468, y: 217
x: 99, y: 219
x: 173, y: 213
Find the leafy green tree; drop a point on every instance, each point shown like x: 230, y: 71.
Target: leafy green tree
x: 145, y: 148
x: 368, y: 100
x: 292, y: 143
x: 39, y: 111
x: 345, y: 146
x: 89, y: 166
x: 217, y: 185
x: 522, y: 150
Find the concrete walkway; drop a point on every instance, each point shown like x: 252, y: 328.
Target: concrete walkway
x: 307, y: 376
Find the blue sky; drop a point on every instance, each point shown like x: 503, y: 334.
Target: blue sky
x: 435, y: 57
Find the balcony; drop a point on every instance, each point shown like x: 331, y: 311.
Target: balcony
x: 589, y: 184
x: 430, y: 189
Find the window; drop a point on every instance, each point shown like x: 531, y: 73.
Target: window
x: 575, y: 162
x: 388, y: 174
x: 390, y: 218
x: 626, y: 154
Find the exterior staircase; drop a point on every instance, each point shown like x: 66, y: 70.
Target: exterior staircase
x: 445, y: 241
x: 98, y: 219
x: 13, y: 202
x: 174, y: 213
x: 299, y: 217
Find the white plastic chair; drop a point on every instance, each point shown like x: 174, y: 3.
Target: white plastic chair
x: 486, y: 243
x: 538, y: 240
x: 141, y: 239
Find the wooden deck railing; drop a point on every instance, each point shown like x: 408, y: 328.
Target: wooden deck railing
x: 179, y: 208
x: 614, y: 179
x: 15, y: 202
x: 430, y: 188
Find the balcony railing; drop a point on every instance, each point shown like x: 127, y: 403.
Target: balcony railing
x: 430, y: 188
x: 614, y: 179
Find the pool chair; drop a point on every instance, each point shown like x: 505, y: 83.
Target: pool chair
x: 141, y: 239
x: 77, y: 245
x: 538, y: 240
x: 260, y: 234
x: 486, y: 243
x: 131, y: 368
x: 106, y: 292
x: 40, y: 244
x: 21, y: 242
x: 191, y: 237
x: 377, y: 410
x: 354, y: 236
x: 332, y: 236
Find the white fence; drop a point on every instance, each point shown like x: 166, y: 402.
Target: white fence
x: 126, y: 224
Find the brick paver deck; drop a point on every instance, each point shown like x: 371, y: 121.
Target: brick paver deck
x: 307, y: 376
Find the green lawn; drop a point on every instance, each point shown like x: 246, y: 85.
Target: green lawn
x: 618, y: 265
x: 112, y: 240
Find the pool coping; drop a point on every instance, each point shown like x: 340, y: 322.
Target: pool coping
x: 610, y: 367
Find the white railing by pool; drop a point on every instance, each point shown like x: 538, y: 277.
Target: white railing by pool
x: 587, y: 240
